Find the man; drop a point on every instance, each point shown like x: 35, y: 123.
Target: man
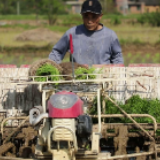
x: 92, y: 42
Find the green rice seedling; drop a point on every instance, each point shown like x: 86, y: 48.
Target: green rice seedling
x: 134, y: 105
x: 47, y: 70
x: 81, y: 73
x: 156, y: 58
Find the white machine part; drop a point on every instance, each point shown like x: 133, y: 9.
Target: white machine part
x: 62, y: 133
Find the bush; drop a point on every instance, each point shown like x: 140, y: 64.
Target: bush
x: 142, y: 19
x: 150, y: 18
x: 115, y: 21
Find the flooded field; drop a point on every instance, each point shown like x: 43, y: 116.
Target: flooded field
x: 132, y: 54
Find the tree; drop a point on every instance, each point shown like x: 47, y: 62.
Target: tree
x: 7, y: 7
x: 52, y: 8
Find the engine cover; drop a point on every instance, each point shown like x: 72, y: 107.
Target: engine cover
x: 65, y: 105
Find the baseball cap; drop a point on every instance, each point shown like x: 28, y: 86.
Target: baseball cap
x: 93, y: 6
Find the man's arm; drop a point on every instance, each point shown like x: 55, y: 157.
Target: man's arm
x: 60, y: 49
x: 116, y: 57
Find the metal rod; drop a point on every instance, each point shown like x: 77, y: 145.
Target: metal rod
x: 8, y: 138
x: 44, y: 101
x: 99, y: 110
x: 128, y: 116
x: 129, y: 155
x: 13, y: 158
x: 72, y: 66
x: 138, y: 134
x: 132, y: 115
x: 57, y: 127
x: 99, y: 80
x: 9, y: 118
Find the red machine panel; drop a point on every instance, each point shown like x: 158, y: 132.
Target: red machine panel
x: 65, y: 105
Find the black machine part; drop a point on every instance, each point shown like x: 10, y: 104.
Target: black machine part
x: 84, y: 127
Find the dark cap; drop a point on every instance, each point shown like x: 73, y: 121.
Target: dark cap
x: 93, y: 6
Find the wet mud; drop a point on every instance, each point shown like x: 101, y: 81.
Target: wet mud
x: 67, y: 69
x: 21, y: 144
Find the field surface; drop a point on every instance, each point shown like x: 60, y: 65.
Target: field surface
x: 24, y: 41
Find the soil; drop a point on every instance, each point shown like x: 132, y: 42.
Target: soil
x: 39, y: 34
x: 42, y: 34
x: 67, y: 68
x: 40, y: 63
x: 27, y: 54
x: 141, y: 49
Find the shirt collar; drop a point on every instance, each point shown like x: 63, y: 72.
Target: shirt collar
x: 94, y: 31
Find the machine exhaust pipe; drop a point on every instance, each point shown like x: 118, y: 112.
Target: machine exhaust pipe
x: 35, y: 116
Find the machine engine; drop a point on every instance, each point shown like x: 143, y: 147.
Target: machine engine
x: 66, y: 109
x: 68, y: 127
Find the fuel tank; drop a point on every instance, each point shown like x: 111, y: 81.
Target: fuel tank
x: 65, y: 105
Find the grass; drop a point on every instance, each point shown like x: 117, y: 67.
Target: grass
x: 23, y: 26
x: 21, y: 58
x: 69, y: 16
x: 21, y: 17
x: 139, y: 58
x: 132, y: 33
x: 29, y: 58
x: 131, y: 41
x: 61, y: 29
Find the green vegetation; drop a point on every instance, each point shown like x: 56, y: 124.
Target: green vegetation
x: 23, y: 26
x: 53, y: 74
x: 81, y: 73
x: 61, y: 29
x: 134, y: 105
x: 70, y: 17
x: 139, y: 58
x: 150, y: 18
x: 116, y: 21
x: 22, y: 17
x: 47, y: 70
x: 32, y: 54
x: 50, y: 8
x: 131, y: 41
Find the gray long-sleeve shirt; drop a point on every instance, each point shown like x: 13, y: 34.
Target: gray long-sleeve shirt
x: 90, y: 47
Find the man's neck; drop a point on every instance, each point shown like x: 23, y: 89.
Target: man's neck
x: 99, y: 27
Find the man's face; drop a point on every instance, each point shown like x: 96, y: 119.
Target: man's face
x: 91, y: 20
